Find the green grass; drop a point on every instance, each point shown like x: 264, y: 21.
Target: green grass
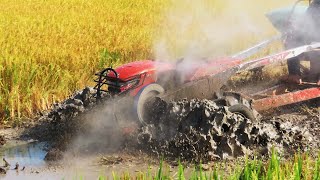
x: 301, y: 166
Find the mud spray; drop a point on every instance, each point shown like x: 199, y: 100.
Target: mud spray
x: 191, y: 130
x: 193, y: 32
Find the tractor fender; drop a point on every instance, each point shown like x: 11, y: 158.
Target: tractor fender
x: 147, y: 92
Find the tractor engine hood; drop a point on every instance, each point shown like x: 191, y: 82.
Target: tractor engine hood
x: 133, y: 69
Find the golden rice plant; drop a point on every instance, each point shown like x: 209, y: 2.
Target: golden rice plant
x: 50, y: 48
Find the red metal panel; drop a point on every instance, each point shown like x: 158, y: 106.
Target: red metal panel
x: 133, y: 69
x: 285, y: 99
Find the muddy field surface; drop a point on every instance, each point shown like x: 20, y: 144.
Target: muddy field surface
x: 192, y: 131
x: 200, y: 130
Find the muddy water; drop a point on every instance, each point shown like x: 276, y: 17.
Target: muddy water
x: 31, y: 156
x: 28, y: 154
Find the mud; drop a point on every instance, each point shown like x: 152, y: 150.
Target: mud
x: 111, y: 160
x: 66, y: 119
x: 2, y: 140
x: 53, y: 154
x: 189, y: 130
x: 200, y: 130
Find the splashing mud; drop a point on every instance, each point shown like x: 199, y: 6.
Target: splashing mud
x: 83, y: 125
x: 200, y: 130
x: 195, y: 130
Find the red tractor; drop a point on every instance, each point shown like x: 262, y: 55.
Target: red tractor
x: 141, y: 81
x: 144, y: 80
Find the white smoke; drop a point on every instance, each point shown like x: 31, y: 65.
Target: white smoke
x: 195, y: 29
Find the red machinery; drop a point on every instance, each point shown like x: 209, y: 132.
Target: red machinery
x: 144, y: 80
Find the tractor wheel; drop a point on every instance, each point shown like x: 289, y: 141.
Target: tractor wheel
x: 240, y: 105
x: 143, y: 101
x: 243, y: 110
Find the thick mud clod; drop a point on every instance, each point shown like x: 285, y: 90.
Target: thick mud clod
x: 110, y: 160
x: 200, y: 130
x: 65, y: 119
x: 195, y: 130
x: 3, y: 170
x: 54, y: 155
x: 2, y: 140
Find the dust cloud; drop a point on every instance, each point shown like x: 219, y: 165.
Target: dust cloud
x: 209, y: 28
x: 102, y: 133
x: 81, y: 126
x: 106, y: 127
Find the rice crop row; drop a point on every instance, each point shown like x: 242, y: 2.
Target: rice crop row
x: 301, y: 166
x: 50, y: 48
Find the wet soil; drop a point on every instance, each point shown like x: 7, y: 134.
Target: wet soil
x: 202, y: 131
x: 195, y: 130
x: 187, y: 130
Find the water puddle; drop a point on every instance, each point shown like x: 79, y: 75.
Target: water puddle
x: 25, y: 154
x: 29, y: 156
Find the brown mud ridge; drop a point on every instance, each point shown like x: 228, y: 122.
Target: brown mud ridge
x: 190, y: 130
x: 65, y: 120
x: 200, y: 130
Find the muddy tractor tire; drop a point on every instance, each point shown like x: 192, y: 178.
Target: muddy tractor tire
x: 243, y: 110
x: 240, y: 105
x: 142, y: 100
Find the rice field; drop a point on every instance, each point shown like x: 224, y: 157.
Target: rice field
x: 50, y: 48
